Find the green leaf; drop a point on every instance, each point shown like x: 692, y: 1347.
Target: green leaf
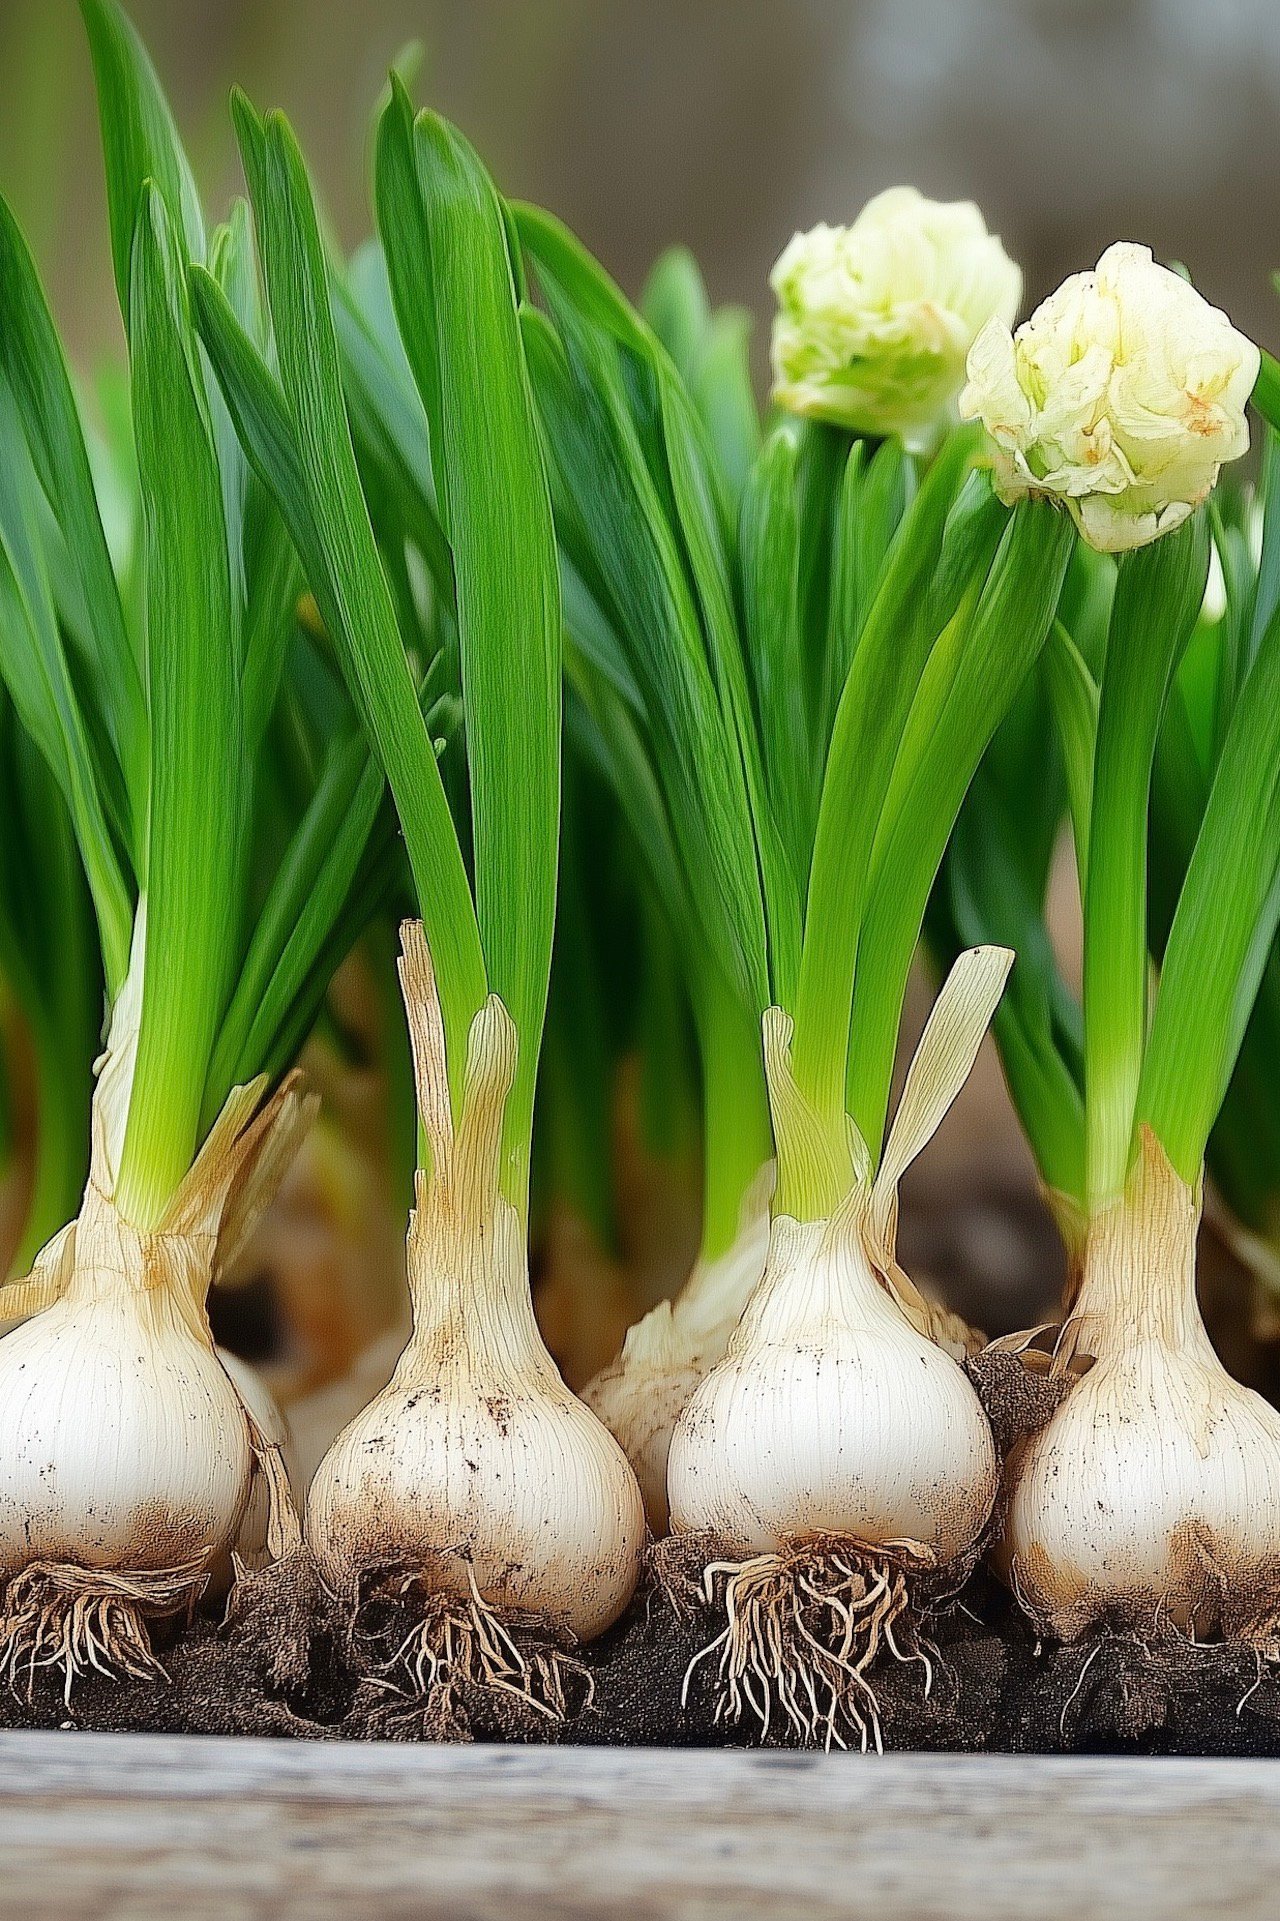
x: 869, y: 722
x: 1223, y: 928
x: 725, y: 398
x: 50, y: 965
x: 457, y: 306
x: 769, y: 545
x: 140, y: 142
x: 1074, y: 694
x: 35, y: 666
x: 1159, y: 592
x: 298, y: 437
x: 986, y: 895
x: 32, y: 363
x: 617, y: 529
x: 389, y: 430
x: 195, y: 825
x: 967, y: 687
x: 675, y: 305
x: 308, y: 890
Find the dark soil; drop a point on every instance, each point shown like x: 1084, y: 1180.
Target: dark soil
x: 288, y: 1661
x: 993, y: 1688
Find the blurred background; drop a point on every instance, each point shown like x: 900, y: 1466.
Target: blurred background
x: 728, y: 124
x: 723, y: 123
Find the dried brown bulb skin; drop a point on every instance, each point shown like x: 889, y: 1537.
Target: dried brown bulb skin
x: 256, y: 1399
x: 1153, y: 1493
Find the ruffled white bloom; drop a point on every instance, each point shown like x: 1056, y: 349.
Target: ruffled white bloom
x: 1123, y: 396
x: 875, y: 320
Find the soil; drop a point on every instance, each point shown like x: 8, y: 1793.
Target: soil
x: 288, y: 1661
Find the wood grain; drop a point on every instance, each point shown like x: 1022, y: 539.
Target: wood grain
x: 149, y: 1826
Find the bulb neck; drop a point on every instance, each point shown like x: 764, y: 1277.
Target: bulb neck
x: 110, y: 1261
x: 469, y: 1284
x: 1138, y: 1277
x: 818, y: 1275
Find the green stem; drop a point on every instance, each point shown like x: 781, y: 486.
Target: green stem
x: 1158, y: 594
x: 872, y: 713
x: 736, y: 1135
x: 61, y: 1147
x: 967, y: 687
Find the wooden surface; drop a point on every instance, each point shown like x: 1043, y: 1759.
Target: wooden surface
x: 139, y: 1826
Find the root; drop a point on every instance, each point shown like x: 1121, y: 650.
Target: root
x: 82, y: 1621
x: 803, y: 1630
x: 460, y: 1645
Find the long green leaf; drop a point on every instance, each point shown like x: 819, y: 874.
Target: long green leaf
x: 140, y: 142
x: 967, y: 687
x: 36, y: 669
x: 32, y: 363
x: 308, y: 438
x: 1223, y: 928
x: 457, y: 304
x: 1159, y: 593
x: 870, y: 717
x: 195, y: 824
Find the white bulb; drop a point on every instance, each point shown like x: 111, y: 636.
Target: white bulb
x: 1155, y: 1487
x: 642, y: 1394
x: 475, y: 1466
x: 123, y: 1443
x: 477, y: 1461
x: 830, y: 1414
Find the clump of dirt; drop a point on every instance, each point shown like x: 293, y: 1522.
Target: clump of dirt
x: 265, y: 1666
x: 1018, y: 1393
x: 1125, y: 1693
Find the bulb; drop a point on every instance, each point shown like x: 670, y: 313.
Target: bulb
x: 476, y: 1465
x: 642, y: 1394
x: 123, y: 1443
x: 1155, y: 1488
x: 127, y: 1455
x: 477, y: 1462
x: 831, y: 1415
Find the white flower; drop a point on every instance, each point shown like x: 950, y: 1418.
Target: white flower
x: 1123, y: 395
x: 874, y: 320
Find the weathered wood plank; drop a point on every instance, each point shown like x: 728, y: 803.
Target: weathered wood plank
x: 140, y: 1827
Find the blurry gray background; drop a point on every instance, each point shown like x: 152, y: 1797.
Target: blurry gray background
x: 725, y: 123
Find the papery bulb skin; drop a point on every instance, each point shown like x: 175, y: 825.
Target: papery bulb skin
x: 831, y: 1415
x: 477, y: 1462
x: 255, y: 1523
x: 664, y: 1357
x: 123, y: 1442
x: 1154, y: 1490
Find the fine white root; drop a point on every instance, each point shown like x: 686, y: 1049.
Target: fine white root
x: 803, y: 1630
x: 79, y: 1621
x: 461, y: 1642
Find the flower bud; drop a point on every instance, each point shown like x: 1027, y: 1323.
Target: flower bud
x: 1123, y: 396
x: 875, y: 320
